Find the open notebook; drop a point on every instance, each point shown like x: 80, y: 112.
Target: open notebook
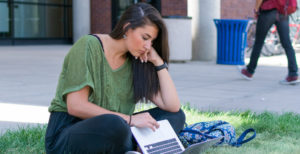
x: 164, y: 140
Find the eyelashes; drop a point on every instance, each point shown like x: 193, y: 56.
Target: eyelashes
x: 144, y: 38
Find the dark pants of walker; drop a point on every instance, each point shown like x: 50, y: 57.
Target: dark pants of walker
x: 101, y: 134
x: 264, y: 22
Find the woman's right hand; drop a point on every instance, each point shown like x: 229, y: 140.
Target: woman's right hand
x: 144, y: 120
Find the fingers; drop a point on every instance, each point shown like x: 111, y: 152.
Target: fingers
x: 153, y: 124
x: 152, y: 127
x: 144, y: 57
x: 150, y: 55
x: 145, y: 120
x: 156, y: 124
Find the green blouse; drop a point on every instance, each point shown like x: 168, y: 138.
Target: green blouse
x: 86, y: 65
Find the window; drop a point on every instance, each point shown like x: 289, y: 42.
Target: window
x: 35, y: 19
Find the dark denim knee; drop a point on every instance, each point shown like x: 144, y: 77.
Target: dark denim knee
x: 180, y: 115
x: 117, y: 127
x: 121, y: 134
x: 176, y: 119
x: 116, y: 131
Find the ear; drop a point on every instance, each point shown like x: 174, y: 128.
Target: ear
x: 125, y: 25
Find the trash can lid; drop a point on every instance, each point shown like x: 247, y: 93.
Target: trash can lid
x: 232, y: 20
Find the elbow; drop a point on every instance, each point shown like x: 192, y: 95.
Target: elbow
x: 174, y: 110
x: 71, y: 108
x: 175, y: 106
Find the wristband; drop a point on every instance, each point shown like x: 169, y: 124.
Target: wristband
x: 160, y: 67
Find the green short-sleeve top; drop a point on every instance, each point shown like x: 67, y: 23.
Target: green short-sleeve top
x: 86, y: 65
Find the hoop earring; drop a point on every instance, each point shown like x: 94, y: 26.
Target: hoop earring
x: 124, y: 36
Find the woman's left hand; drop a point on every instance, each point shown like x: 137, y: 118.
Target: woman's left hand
x: 152, y: 56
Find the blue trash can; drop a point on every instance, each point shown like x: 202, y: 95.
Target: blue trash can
x: 231, y: 41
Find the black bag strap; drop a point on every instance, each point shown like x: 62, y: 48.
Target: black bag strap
x: 241, y: 140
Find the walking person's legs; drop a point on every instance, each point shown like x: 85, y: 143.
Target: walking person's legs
x: 284, y: 31
x: 264, y: 22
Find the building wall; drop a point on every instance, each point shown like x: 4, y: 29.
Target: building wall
x: 101, y: 13
x: 174, y: 7
x: 237, y: 9
x: 100, y: 16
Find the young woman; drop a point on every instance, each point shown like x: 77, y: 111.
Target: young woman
x: 102, y: 79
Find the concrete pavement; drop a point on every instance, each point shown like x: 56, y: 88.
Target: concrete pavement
x: 28, y: 78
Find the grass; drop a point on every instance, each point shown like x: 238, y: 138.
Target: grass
x: 23, y: 141
x: 275, y: 133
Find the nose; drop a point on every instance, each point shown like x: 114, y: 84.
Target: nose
x: 148, y: 45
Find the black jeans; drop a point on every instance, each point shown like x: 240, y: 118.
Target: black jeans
x: 101, y: 134
x: 264, y: 22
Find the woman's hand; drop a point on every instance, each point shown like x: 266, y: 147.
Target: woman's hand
x: 144, y: 120
x: 152, y: 56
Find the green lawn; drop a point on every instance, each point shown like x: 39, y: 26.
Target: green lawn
x: 23, y: 141
x: 275, y: 133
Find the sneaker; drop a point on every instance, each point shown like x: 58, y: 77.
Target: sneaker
x: 290, y: 80
x: 245, y: 74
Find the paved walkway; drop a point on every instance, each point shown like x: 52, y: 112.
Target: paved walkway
x: 28, y: 78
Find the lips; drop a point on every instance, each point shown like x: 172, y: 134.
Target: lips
x: 142, y: 52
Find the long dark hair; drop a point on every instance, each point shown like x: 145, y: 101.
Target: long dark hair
x: 145, y: 79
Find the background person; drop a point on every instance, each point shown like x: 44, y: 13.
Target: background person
x: 266, y: 18
x: 103, y: 77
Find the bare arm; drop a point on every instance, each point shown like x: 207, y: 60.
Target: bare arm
x: 167, y: 98
x: 79, y: 106
x: 257, y: 5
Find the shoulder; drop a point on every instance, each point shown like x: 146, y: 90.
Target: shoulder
x: 80, y: 48
x: 86, y: 39
x: 86, y: 42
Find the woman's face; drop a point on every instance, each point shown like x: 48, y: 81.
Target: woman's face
x: 139, y: 40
